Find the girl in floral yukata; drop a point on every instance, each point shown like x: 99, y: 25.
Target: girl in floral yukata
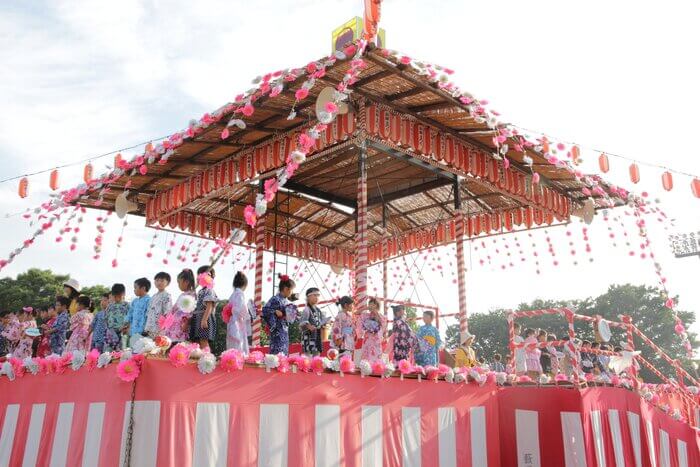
x: 24, y: 345
x: 372, y: 330
x: 343, y: 331
x: 80, y: 326
x: 237, y: 326
x: 403, y: 338
x: 176, y: 324
x: 203, y: 322
x: 278, y: 312
x: 11, y: 332
x: 428, y: 341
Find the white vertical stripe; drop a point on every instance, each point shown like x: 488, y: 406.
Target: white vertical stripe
x: 477, y: 425
x: 682, y: 454
x: 273, y: 445
x: 664, y: 449
x: 327, y: 436
x: 410, y: 436
x: 572, y: 434
x: 597, y: 426
x: 618, y: 449
x: 527, y: 436
x: 36, y: 423
x: 447, y: 438
x: 8, y: 433
x: 371, y: 435
x: 650, y: 443
x: 59, y: 450
x: 635, y: 434
x: 144, y: 440
x: 93, y: 434
x: 211, y: 434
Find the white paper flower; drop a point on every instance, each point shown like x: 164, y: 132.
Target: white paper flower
x: 298, y: 157
x: 473, y: 374
x: 365, y: 368
x: 260, y: 206
x: 104, y: 359
x: 186, y: 303
x: 389, y: 369
x: 459, y: 378
x: 693, y: 389
x: 206, y: 363
x: 126, y: 355
x: 544, y: 379
x: 8, y: 371
x: 144, y: 345
x: 31, y: 365
x: 78, y: 360
x: 509, y: 377
x: 450, y: 376
x: 271, y: 361
x: 196, y: 351
x: 676, y: 414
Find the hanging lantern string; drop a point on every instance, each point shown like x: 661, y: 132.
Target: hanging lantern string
x: 610, y: 154
x: 82, y: 161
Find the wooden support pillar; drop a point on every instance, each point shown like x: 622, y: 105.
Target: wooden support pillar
x: 361, y: 254
x: 461, y: 279
x: 258, y: 299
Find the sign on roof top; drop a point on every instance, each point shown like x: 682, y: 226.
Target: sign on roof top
x: 350, y: 31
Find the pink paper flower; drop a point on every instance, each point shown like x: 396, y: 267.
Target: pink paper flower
x: 17, y: 367
x: 524, y: 379
x: 405, y: 60
x: 378, y: 367
x: 283, y: 365
x: 128, y: 370
x: 248, y: 110
x: 179, y: 355
x: 226, y: 313
x: 250, y: 216
x: 271, y: 187
x: 590, y: 377
x: 405, y: 367
x: 432, y: 372
x: 560, y: 377
x: 317, y: 364
x: 205, y: 280
x: 306, y: 141
x: 232, y: 360
x: 304, y: 364
x: 301, y: 93
x: 256, y: 357
x: 347, y: 365
x: 91, y: 359
x: 443, y: 369
x: 331, y: 107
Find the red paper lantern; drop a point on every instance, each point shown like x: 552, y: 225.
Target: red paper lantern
x: 87, y: 173
x: 53, y: 180
x: 695, y: 186
x: 667, y: 181
x: 575, y: 154
x: 604, y: 163
x: 23, y: 186
x: 545, y: 145
x: 634, y: 173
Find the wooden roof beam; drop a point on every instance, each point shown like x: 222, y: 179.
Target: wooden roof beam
x: 316, y: 193
x: 406, y: 192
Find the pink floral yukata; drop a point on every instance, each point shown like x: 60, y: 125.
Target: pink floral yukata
x: 80, y: 331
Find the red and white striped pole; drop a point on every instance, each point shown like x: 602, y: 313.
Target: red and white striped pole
x: 385, y: 266
x: 361, y: 258
x: 259, y: 250
x: 575, y: 364
x: 461, y: 279
x: 630, y: 342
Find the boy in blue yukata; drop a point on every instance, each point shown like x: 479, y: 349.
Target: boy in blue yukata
x: 136, y: 316
x: 428, y: 341
x: 59, y: 328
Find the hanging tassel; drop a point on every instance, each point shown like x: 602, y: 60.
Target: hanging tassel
x: 117, y: 160
x: 604, y: 163
x: 53, y: 180
x: 695, y: 187
x: 634, y: 173
x: 23, y: 187
x: 667, y: 181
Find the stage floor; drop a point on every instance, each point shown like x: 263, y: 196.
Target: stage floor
x: 251, y: 417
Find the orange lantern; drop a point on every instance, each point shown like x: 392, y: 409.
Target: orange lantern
x: 604, y: 163
x: 23, y: 186
x: 53, y: 180
x: 695, y: 186
x: 149, y: 147
x: 575, y: 154
x: 667, y: 181
x: 87, y: 173
x: 634, y: 173
x: 545, y: 145
x: 117, y: 160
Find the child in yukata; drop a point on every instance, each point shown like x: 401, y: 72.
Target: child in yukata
x: 343, y: 330
x: 465, y: 355
x: 115, y: 315
x: 278, y: 312
x: 428, y: 342
x: 176, y: 324
x: 372, y: 330
x: 237, y: 326
x: 57, y: 331
x: 519, y: 353
x: 24, y: 344
x: 532, y: 354
x: 98, y: 328
x: 402, y: 337
x: 80, y: 324
x: 10, y: 333
x: 160, y: 304
x: 135, y: 321
x: 311, y: 323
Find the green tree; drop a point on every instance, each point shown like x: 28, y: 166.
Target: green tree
x: 95, y: 293
x: 645, y: 305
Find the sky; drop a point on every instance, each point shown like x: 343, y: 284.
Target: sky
x: 82, y: 79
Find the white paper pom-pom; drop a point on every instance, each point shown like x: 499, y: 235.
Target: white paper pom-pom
x: 365, y: 368
x: 126, y: 355
x: 104, y: 359
x: 144, y: 345
x: 389, y: 369
x: 8, y: 371
x: 450, y: 376
x: 31, y: 365
x: 78, y: 360
x: 544, y: 379
x: 271, y: 361
x: 206, y: 363
x: 298, y: 157
x: 460, y: 378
